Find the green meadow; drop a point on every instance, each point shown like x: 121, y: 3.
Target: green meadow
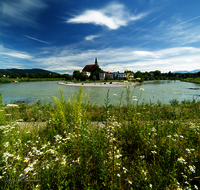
x: 74, y: 144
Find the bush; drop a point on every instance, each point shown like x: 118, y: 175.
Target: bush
x: 174, y: 102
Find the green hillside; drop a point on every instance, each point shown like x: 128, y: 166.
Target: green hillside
x: 28, y: 71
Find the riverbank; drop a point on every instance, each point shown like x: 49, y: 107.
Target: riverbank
x: 193, y: 80
x: 100, y: 84
x: 14, y: 80
x: 63, y: 146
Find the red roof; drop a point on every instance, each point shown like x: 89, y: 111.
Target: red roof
x: 107, y: 73
x: 88, y: 68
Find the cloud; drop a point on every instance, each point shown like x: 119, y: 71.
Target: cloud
x: 174, y: 31
x: 20, y: 11
x: 37, y: 39
x: 119, y: 59
x: 7, y: 53
x: 91, y: 37
x: 113, y: 16
x: 186, y: 21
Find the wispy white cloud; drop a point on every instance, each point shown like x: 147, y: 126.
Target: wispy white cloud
x: 154, y: 19
x: 113, y: 16
x: 13, y: 53
x: 91, y: 37
x: 173, y: 32
x: 186, y: 21
x: 37, y: 40
x: 20, y: 12
x: 170, y: 59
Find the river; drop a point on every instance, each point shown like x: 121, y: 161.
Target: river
x: 163, y: 91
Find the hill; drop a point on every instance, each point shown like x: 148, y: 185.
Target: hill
x: 28, y: 71
x: 194, y: 71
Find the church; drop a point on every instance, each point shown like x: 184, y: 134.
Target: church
x: 88, y: 68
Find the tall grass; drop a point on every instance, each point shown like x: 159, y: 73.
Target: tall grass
x: 84, y: 146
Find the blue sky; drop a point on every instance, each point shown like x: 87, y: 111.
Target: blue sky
x: 65, y: 35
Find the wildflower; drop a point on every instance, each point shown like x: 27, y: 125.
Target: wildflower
x: 6, y: 144
x: 47, y: 166
x: 17, y: 157
x: 186, y: 183
x: 118, y: 175
x: 30, y: 154
x: 114, y: 94
x: 12, y: 105
x: 153, y: 129
x: 22, y: 176
x: 30, y: 166
x: 181, y: 160
x: 153, y: 152
x: 37, y: 186
x: 141, y: 89
x: 27, y: 170
x: 134, y: 96
x: 138, y: 78
x: 150, y: 185
x: 142, y: 157
x: 135, y: 99
x: 144, y: 172
x: 26, y: 159
x: 195, y: 187
x: 188, y: 150
x: 125, y: 170
x: 192, y: 168
x: 58, y: 138
x: 169, y: 136
x: 63, y: 162
x: 129, y: 182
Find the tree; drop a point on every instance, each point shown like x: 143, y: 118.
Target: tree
x: 95, y: 72
x: 68, y: 77
x: 76, y: 74
x: 82, y: 76
x: 157, y: 73
x: 94, y: 77
x: 107, y: 77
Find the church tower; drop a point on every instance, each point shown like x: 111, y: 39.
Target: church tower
x: 96, y: 62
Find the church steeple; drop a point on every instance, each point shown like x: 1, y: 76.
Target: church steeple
x: 96, y: 62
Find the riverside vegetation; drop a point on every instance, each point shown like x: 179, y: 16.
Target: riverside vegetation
x: 121, y: 145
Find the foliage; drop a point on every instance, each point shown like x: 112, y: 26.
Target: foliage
x: 84, y: 146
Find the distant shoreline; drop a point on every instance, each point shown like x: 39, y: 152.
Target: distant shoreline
x: 100, y: 84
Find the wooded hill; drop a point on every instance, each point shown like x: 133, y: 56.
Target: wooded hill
x: 23, y: 71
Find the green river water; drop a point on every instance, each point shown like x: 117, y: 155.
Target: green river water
x: 164, y: 91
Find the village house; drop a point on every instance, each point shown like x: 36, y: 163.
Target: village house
x: 121, y: 75
x: 102, y: 74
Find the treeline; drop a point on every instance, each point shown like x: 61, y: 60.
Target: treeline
x: 31, y: 75
x: 144, y: 76
x: 157, y: 75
